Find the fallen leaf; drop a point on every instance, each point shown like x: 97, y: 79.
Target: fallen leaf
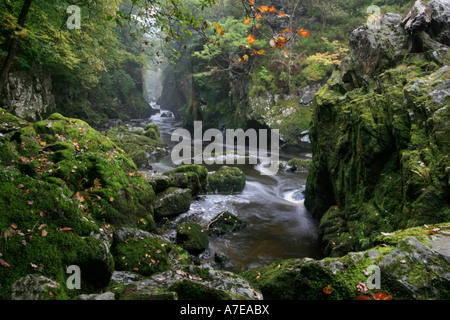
x: 363, y: 298
x: 33, y: 265
x: 13, y: 225
x: 44, y: 233
x: 30, y: 202
x: 3, y: 263
x: 382, y: 296
x: 327, y: 289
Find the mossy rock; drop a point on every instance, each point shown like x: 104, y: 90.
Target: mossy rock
x: 299, y: 164
x: 190, y: 290
x: 194, y: 177
x: 192, y: 237
x: 10, y: 122
x: 172, y: 202
x: 140, y: 146
x: 410, y: 263
x: 226, y: 180
x: 141, y: 252
x: 64, y: 187
x: 298, y: 279
x: 225, y: 222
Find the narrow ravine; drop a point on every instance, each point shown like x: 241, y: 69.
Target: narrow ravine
x: 279, y: 226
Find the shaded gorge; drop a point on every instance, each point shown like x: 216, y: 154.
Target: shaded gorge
x: 278, y: 226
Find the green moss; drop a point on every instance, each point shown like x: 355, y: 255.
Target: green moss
x: 226, y: 180
x: 189, y: 290
x: 172, y: 202
x: 225, y: 222
x: 191, y: 180
x: 297, y: 280
x: 192, y: 237
x: 146, y: 256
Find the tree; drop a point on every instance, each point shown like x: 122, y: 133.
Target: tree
x: 13, y: 41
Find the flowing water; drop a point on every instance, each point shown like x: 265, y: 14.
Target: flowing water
x: 279, y: 226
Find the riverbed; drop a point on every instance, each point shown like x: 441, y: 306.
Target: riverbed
x: 278, y: 224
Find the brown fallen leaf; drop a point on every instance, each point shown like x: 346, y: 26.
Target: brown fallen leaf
x: 3, y: 263
x: 44, y: 233
x: 13, y: 225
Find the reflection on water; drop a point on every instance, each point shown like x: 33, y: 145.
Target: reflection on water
x: 279, y: 226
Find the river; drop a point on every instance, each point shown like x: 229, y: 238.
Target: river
x: 279, y: 226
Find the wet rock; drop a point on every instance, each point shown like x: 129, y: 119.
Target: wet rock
x: 226, y: 180
x: 192, y: 237
x: 97, y: 297
x: 32, y: 287
x: 407, y: 267
x: 225, y: 222
x: 197, y: 283
x: 194, y: 177
x: 172, y: 202
x: 299, y: 164
x: 141, y: 291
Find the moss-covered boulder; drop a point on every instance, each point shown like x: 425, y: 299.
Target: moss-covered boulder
x: 141, y: 146
x: 298, y: 164
x: 141, y: 252
x: 64, y: 187
x: 188, y: 282
x: 408, y: 264
x: 379, y: 136
x: 194, y: 177
x: 226, y: 180
x: 172, y: 202
x: 192, y: 237
x: 225, y: 222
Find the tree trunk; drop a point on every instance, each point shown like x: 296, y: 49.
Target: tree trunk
x: 13, y: 45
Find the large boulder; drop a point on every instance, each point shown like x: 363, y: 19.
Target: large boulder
x: 194, y: 177
x: 172, y: 202
x: 409, y: 264
x: 63, y: 188
x: 192, y: 237
x: 380, y: 137
x: 226, y: 180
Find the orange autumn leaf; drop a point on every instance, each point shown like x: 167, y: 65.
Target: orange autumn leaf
x: 281, y: 14
x: 272, y: 9
x: 261, y: 52
x: 251, y: 39
x: 252, y: 2
x: 247, y: 21
x: 363, y: 298
x: 263, y: 9
x: 286, y: 30
x: 382, y: 296
x: 258, y: 16
x: 327, y: 289
x: 304, y: 33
